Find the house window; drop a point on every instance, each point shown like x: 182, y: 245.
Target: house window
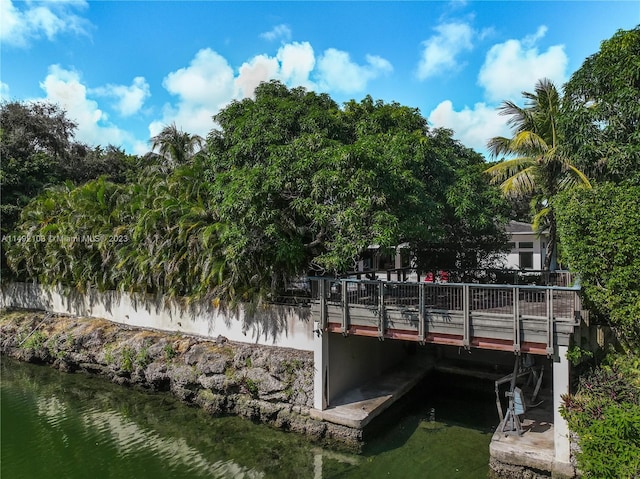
x: 526, y: 245
x: 526, y: 260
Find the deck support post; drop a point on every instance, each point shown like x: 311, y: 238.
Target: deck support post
x: 562, y: 460
x: 321, y: 370
x: 549, y: 322
x: 322, y: 293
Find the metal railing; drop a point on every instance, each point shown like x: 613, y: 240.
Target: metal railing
x: 517, y: 313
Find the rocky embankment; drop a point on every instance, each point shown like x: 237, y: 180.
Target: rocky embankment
x: 264, y: 384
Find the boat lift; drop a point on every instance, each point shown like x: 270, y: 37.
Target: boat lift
x: 524, y: 366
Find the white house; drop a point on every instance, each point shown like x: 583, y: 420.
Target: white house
x: 528, y: 249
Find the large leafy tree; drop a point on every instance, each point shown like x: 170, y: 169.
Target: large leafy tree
x: 304, y: 185
x: 291, y: 183
x: 600, y: 232
x: 35, y: 139
x: 601, y: 110
x: 538, y: 166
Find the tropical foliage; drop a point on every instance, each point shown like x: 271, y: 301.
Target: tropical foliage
x: 290, y: 185
x: 158, y: 235
x: 600, y: 233
x: 38, y: 151
x: 541, y: 167
x: 601, y: 113
x: 600, y: 239
x: 303, y: 185
x: 605, y: 414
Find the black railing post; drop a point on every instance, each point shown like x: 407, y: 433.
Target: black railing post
x: 381, y: 315
x: 345, y: 308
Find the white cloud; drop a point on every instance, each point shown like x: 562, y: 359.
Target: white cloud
x: 203, y: 88
x: 336, y: 71
x: 64, y: 88
x: 297, y: 60
x: 208, y: 84
x: 140, y: 148
x: 516, y: 65
x: 281, y: 31
x: 40, y: 19
x: 472, y: 126
x: 130, y: 99
x: 440, y: 51
x: 260, y: 68
x: 4, y: 91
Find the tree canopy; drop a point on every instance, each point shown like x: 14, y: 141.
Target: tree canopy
x: 37, y: 148
x: 601, y: 111
x: 302, y: 184
x: 289, y: 185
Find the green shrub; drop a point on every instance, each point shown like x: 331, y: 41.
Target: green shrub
x: 605, y: 414
x: 35, y: 341
x: 109, y: 358
x: 251, y: 386
x: 143, y: 358
x: 169, y: 352
x: 127, y: 359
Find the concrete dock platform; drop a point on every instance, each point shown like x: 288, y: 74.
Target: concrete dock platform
x: 534, y: 450
x: 358, y: 407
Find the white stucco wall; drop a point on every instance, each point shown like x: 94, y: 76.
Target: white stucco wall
x: 353, y: 360
x: 288, y: 327
x: 512, y: 259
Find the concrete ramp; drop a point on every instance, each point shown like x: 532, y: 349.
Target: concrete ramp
x: 359, y: 406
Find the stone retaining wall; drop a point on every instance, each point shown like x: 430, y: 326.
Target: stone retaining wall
x: 266, y: 384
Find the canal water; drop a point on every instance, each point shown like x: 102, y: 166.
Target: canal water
x: 59, y: 425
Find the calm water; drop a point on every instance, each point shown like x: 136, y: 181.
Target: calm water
x: 58, y: 425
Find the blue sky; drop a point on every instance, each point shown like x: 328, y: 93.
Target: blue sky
x: 122, y: 70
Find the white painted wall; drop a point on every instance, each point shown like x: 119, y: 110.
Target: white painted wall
x: 354, y: 360
x: 287, y: 327
x: 512, y: 259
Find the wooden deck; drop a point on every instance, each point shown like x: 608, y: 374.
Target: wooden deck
x: 528, y: 319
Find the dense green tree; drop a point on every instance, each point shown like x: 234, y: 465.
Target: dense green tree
x: 38, y: 150
x: 541, y: 167
x: 87, y: 163
x: 600, y: 237
x: 601, y: 110
x: 34, y: 140
x: 290, y: 184
x: 471, y: 237
x: 304, y: 185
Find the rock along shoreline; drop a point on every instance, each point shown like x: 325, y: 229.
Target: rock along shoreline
x: 265, y: 384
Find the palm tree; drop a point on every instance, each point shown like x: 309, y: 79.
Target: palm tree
x: 538, y: 166
x: 175, y: 147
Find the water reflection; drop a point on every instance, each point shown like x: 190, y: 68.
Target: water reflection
x: 81, y: 426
